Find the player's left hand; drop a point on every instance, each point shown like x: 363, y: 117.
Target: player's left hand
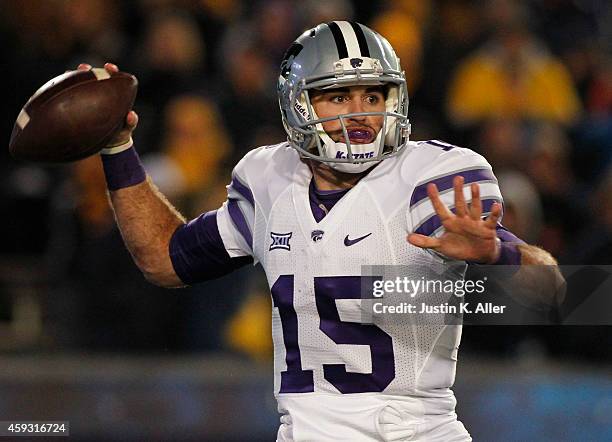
x: 467, y: 236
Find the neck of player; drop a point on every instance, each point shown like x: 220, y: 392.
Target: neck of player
x: 327, y: 178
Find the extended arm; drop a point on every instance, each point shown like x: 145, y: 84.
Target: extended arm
x: 469, y: 237
x: 145, y: 217
x: 147, y: 221
x: 169, y: 252
x: 540, y: 276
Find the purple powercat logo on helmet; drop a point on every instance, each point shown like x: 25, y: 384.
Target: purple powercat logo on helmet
x: 290, y: 55
x: 356, y: 156
x: 356, y: 62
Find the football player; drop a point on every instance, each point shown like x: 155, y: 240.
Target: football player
x: 347, y: 189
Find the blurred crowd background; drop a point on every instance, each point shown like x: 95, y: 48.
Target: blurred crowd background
x: 526, y: 83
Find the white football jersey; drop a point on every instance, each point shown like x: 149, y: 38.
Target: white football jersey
x: 323, y: 353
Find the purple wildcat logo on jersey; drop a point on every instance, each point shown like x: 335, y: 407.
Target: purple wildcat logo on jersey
x: 280, y: 240
x: 356, y: 156
x: 316, y: 235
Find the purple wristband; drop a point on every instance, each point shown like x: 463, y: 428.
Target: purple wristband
x: 123, y: 169
x: 509, y: 254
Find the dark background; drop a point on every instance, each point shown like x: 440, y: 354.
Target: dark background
x: 526, y: 83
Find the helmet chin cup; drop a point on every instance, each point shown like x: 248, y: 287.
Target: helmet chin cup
x: 334, y: 151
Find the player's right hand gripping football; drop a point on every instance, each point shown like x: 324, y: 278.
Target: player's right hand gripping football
x: 131, y: 119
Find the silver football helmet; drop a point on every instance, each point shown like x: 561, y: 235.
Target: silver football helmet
x: 341, y: 54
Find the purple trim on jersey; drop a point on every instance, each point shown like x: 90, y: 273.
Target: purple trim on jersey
x: 239, y: 221
x: 242, y: 189
x: 326, y: 197
x: 123, y: 169
x: 197, y: 251
x: 446, y: 182
x: 445, y: 146
x: 329, y: 194
x: 317, y: 212
x: 506, y: 235
x: 433, y: 223
x: 509, y: 254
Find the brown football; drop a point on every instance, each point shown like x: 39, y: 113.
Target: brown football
x: 73, y: 116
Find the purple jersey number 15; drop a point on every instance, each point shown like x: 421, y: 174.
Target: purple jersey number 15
x: 327, y: 290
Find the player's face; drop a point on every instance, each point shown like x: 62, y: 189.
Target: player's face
x: 346, y: 100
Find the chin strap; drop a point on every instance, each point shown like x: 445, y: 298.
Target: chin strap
x: 351, y: 167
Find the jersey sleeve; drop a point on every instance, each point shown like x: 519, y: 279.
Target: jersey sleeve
x: 217, y: 242
x: 506, y: 235
x: 449, y: 162
x: 236, y: 217
x: 197, y: 251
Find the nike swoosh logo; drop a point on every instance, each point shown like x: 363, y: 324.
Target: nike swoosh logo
x: 350, y: 242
